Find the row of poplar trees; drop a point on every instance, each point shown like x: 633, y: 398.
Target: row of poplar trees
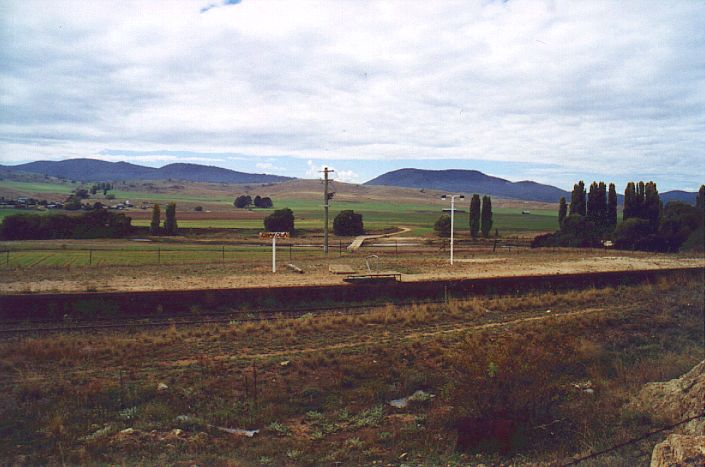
x: 480, y: 216
x: 169, y: 220
x: 599, y: 205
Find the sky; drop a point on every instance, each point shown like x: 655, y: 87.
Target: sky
x: 551, y: 91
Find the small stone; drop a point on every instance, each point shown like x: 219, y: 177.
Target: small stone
x: 127, y: 431
x: 285, y: 363
x: 177, y: 431
x: 162, y: 387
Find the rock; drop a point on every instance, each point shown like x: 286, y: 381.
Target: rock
x: 177, y: 431
x: 679, y: 450
x: 418, y: 396
x: 285, y: 363
x: 162, y: 387
x: 127, y: 431
x: 677, y: 399
x: 238, y: 431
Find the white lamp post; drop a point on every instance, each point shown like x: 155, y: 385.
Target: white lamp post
x: 452, y: 218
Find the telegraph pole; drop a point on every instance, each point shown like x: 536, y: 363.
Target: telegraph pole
x: 326, y: 199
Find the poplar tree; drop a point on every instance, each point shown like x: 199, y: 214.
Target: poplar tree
x: 651, y: 209
x: 577, y: 199
x: 629, y: 202
x: 611, y: 208
x: 474, y: 215
x: 170, y: 220
x: 486, y: 216
x: 154, y: 225
x: 602, y: 203
x: 700, y: 198
x: 593, y: 203
x: 639, y: 200
x: 562, y: 211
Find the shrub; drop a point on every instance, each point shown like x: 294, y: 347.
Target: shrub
x: 281, y: 220
x: 442, y: 226
x: 631, y: 231
x: 348, y: 223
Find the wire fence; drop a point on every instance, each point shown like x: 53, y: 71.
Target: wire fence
x: 211, y: 254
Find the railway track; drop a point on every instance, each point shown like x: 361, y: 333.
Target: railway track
x: 15, y: 328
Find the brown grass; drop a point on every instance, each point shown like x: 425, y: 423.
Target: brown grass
x: 342, y: 367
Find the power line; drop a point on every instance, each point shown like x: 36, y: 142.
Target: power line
x: 593, y: 455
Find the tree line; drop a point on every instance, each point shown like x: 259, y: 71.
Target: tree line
x: 244, y: 201
x: 591, y: 218
x: 94, y: 224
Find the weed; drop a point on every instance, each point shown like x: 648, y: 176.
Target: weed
x: 279, y: 428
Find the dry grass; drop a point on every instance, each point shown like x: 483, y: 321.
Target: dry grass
x: 342, y: 367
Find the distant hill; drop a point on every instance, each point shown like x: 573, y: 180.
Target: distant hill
x: 678, y: 195
x: 473, y: 181
x: 470, y: 181
x: 97, y: 170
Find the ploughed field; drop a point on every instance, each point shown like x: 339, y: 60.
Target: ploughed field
x: 496, y: 379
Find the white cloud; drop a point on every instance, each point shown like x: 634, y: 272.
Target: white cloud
x: 316, y: 171
x: 599, y: 87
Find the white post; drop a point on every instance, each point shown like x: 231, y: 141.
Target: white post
x: 274, y: 253
x: 452, y: 216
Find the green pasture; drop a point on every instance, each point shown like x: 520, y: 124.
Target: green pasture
x: 377, y: 215
x: 38, y: 187
x: 140, y: 256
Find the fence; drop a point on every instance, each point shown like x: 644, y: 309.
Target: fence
x: 197, y: 254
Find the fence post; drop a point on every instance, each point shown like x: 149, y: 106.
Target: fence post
x: 7, y: 259
x: 159, y: 256
x: 254, y: 382
x: 290, y: 252
x: 223, y: 253
x: 396, y: 247
x: 90, y: 257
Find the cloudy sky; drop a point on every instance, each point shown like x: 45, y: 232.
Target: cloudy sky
x: 550, y: 91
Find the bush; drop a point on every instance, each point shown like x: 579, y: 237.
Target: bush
x: 631, y: 231
x: 576, y: 231
x: 242, y: 201
x: 262, y: 202
x: 281, y: 220
x: 677, y: 225
x: 442, y: 226
x: 348, y: 223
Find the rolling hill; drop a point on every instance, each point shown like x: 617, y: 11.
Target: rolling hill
x: 98, y: 170
x: 470, y: 181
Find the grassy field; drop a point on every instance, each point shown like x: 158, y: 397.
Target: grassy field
x: 319, y: 388
x: 31, y: 257
x: 382, y: 208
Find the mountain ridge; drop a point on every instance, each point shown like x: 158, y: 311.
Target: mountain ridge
x: 85, y: 169
x: 470, y: 181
